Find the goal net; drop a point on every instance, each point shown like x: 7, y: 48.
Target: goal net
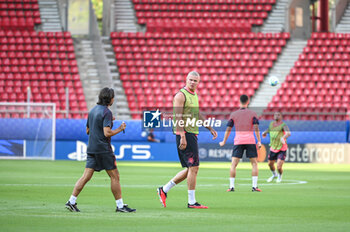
x: 27, y: 130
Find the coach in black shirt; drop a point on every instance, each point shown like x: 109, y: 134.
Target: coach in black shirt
x: 100, y: 155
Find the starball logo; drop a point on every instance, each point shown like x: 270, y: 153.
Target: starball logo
x: 152, y: 119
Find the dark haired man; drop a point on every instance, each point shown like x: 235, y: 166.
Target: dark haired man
x: 245, y: 122
x: 279, y: 132
x: 100, y: 155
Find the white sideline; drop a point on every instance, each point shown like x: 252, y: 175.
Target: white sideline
x: 284, y: 182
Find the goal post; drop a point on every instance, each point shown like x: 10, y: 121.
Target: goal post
x: 27, y: 130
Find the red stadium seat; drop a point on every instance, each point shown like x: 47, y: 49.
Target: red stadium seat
x: 320, y: 73
x: 200, y: 52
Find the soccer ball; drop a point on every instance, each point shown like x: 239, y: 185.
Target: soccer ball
x: 143, y: 134
x: 273, y: 81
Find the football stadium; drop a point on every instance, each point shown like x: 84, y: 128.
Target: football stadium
x: 174, y: 115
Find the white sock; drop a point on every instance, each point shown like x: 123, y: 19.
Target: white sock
x: 72, y: 199
x: 255, y: 181
x: 168, y: 186
x: 232, y: 182
x: 274, y: 173
x: 120, y: 203
x: 279, y: 176
x: 191, y: 197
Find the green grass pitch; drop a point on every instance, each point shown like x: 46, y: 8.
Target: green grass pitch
x: 313, y: 197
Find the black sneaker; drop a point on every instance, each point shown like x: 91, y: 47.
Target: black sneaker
x: 125, y: 209
x: 230, y: 189
x: 256, y: 189
x: 71, y: 207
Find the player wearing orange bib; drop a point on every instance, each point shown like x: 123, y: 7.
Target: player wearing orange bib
x: 246, y: 123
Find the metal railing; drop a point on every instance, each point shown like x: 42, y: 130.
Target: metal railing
x: 99, y: 54
x: 98, y: 51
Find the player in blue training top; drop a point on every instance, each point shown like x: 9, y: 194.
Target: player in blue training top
x: 100, y: 155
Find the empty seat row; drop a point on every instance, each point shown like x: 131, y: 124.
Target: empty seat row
x: 226, y: 55
x: 311, y: 79
x: 185, y: 26
x: 14, y: 23
x: 224, y: 80
x: 39, y: 69
x: 325, y: 56
x: 180, y: 70
x: 325, y: 70
x: 224, y: 49
x: 200, y: 42
x: 199, y: 16
x: 35, y: 34
x: 19, y: 1
x: 317, y: 63
x: 20, y: 13
x: 39, y: 62
x: 272, y: 56
x: 24, y: 77
x: 325, y: 36
x: 200, y: 35
x: 29, y: 47
x: 197, y: 63
x: 35, y: 41
x: 317, y: 43
x: 42, y: 83
x: 37, y: 55
x: 19, y: 6
x: 214, y: 2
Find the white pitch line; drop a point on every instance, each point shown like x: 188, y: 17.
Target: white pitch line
x: 285, y: 182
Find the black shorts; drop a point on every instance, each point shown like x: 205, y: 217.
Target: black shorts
x: 188, y: 157
x: 277, y: 155
x: 250, y: 149
x: 100, y: 162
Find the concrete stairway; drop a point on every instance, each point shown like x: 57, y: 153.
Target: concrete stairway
x: 87, y: 70
x: 50, y: 17
x: 285, y: 62
x: 344, y: 24
x: 276, y: 18
x: 123, y: 111
x: 124, y: 16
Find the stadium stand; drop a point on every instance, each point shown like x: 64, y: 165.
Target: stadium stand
x: 43, y: 61
x: 213, y: 37
x: 202, y: 15
x: 19, y: 14
x: 319, y: 81
x: 153, y: 65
